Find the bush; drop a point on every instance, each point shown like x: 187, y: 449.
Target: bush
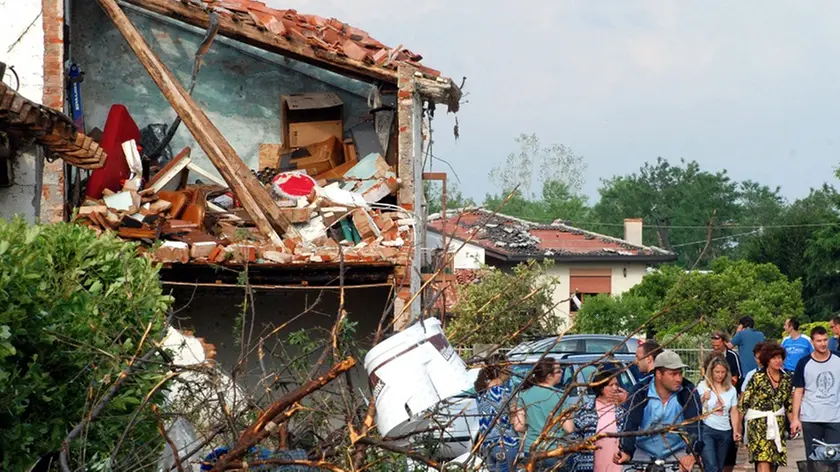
x: 604, y: 314
x: 720, y: 297
x: 492, y: 310
x: 74, y: 308
x: 805, y: 328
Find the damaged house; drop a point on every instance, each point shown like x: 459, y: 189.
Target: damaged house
x: 585, y: 263
x: 221, y: 135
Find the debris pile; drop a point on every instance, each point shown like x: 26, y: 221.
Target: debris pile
x: 336, y: 203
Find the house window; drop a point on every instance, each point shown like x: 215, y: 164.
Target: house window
x: 586, y: 283
x: 577, y: 301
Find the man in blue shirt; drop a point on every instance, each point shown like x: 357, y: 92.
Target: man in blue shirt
x: 745, y: 340
x: 796, y: 345
x: 834, y: 340
x: 669, y: 400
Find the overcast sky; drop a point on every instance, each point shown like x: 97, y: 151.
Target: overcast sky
x: 748, y: 86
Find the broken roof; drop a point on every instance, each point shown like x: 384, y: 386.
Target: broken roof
x: 25, y: 119
x: 513, y: 239
x: 328, y: 43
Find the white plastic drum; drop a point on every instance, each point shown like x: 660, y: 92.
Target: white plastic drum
x: 410, y: 372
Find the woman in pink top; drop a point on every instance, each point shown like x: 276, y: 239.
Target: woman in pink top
x: 602, y: 414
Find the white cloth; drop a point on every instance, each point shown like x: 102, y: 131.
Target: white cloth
x: 773, y: 432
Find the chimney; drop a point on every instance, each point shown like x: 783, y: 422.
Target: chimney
x: 633, y: 231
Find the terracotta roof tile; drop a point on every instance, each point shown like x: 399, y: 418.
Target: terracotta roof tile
x: 330, y: 34
x: 514, y: 238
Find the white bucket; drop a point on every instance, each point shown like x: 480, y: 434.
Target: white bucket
x: 409, y: 373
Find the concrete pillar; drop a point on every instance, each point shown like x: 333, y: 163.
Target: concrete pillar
x: 410, y: 197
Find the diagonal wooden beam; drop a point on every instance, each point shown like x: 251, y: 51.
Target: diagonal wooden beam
x: 254, y: 197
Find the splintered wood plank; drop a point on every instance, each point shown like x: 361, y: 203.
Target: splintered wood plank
x: 253, y: 196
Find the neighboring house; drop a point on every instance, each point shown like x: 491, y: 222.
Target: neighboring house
x: 585, y: 263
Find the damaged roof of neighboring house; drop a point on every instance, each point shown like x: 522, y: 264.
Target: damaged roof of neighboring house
x: 328, y: 43
x: 25, y: 120
x: 513, y: 239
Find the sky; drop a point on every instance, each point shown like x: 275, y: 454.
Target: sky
x: 752, y: 87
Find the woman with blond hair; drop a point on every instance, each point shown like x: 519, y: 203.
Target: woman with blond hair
x: 720, y: 407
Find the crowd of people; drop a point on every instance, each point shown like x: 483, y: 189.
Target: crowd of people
x: 763, y: 395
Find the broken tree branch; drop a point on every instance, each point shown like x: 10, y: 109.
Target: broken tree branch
x: 265, y: 423
x: 162, y: 430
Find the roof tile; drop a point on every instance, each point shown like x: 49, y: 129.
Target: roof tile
x: 513, y: 237
x: 318, y: 32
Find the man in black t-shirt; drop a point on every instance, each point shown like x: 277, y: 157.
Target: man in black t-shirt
x: 719, y: 340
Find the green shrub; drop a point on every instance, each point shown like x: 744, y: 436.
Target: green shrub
x: 732, y: 289
x: 74, y: 308
x: 493, y: 309
x: 807, y: 327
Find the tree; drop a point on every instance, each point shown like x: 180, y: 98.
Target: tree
x: 787, y: 239
x: 605, y: 314
x: 75, y: 308
x: 501, y: 304
x: 730, y: 290
x: 556, y: 163
x: 454, y: 198
x: 681, y: 200
x: 759, y: 204
x: 557, y: 203
x: 822, y: 270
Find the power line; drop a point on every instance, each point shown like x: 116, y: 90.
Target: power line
x: 758, y: 231
x: 723, y: 226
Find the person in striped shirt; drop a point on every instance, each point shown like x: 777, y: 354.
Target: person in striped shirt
x: 500, y: 446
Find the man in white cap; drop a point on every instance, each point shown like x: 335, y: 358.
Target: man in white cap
x: 670, y: 400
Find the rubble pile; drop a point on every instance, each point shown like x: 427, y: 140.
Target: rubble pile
x: 333, y: 200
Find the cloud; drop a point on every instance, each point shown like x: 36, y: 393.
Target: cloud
x: 735, y: 85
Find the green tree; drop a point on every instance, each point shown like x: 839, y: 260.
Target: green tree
x: 501, y: 303
x: 454, y: 197
x: 678, y: 203
x: 822, y: 272
x: 786, y: 241
x: 557, y: 203
x: 75, y: 307
x: 759, y: 204
x: 605, y: 314
x: 719, y: 297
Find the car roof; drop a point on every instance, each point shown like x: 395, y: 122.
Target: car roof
x: 541, y: 344
x: 570, y: 358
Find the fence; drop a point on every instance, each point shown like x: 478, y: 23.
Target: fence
x: 693, y: 359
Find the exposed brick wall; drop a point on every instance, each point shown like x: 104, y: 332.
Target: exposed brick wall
x: 52, y: 190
